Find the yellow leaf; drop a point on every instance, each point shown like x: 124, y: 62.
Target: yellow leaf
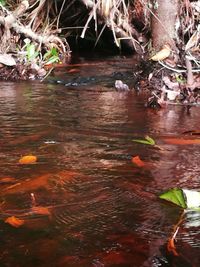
x: 162, y: 54
x: 28, y: 159
x: 14, y: 221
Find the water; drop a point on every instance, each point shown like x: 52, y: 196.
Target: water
x: 84, y: 203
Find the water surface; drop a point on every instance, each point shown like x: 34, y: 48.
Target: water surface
x: 84, y: 203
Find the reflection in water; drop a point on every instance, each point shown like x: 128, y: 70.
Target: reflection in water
x: 92, y: 206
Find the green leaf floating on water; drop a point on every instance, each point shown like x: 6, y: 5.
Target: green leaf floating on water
x: 147, y: 141
x: 182, y: 197
x: 175, y: 196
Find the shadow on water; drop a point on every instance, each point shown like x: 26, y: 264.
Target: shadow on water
x: 84, y: 203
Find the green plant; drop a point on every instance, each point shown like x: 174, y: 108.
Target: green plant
x: 30, y: 50
x: 51, y: 56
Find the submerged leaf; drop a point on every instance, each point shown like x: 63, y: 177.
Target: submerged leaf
x: 171, y: 245
x: 175, y: 196
x: 137, y: 161
x: 39, y: 210
x: 147, y: 141
x: 29, y: 159
x: 177, y: 141
x: 14, y: 221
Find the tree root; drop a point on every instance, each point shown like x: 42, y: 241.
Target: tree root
x: 11, y: 20
x: 116, y: 21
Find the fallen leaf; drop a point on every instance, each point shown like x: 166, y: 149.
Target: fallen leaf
x: 184, y: 198
x: 7, y: 59
x: 176, y: 196
x: 147, y: 141
x: 7, y: 180
x: 29, y: 159
x: 14, y: 221
x: 162, y: 54
x: 170, y: 244
x: 178, y: 141
x: 41, y: 210
x: 137, y: 161
x: 73, y: 70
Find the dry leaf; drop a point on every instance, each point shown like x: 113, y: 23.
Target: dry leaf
x: 14, y: 221
x: 162, y: 54
x: 28, y: 159
x: 7, y: 59
x: 137, y: 161
x: 176, y: 141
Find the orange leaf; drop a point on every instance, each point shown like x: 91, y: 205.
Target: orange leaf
x: 176, y: 141
x: 73, y: 70
x: 28, y: 159
x: 171, y: 246
x: 14, y: 221
x: 5, y: 180
x: 41, y: 210
x: 137, y: 161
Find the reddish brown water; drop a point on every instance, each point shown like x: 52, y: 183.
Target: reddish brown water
x: 84, y: 203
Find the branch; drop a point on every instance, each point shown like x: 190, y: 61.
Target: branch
x: 11, y: 21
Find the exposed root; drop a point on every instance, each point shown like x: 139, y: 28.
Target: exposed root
x: 115, y: 15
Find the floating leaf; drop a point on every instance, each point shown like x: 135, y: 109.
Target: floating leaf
x: 175, y: 196
x: 180, y: 141
x: 7, y: 180
x: 147, y: 141
x: 73, y: 70
x: 162, y: 54
x: 29, y: 159
x: 150, y: 140
x: 137, y: 161
x: 14, y: 221
x: 183, y: 197
x: 170, y: 244
x: 39, y: 210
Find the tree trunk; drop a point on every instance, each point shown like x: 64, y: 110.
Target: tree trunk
x: 163, y: 22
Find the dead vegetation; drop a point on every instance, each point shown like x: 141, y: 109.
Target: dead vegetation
x: 35, y: 33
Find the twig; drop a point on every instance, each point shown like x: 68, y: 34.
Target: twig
x: 176, y: 70
x: 47, y: 74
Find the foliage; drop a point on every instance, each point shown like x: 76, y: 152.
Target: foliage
x: 29, y: 159
x: 51, y: 56
x: 14, y: 221
x: 175, y: 196
x: 182, y: 197
x: 30, y: 50
x: 147, y: 141
x: 2, y: 2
